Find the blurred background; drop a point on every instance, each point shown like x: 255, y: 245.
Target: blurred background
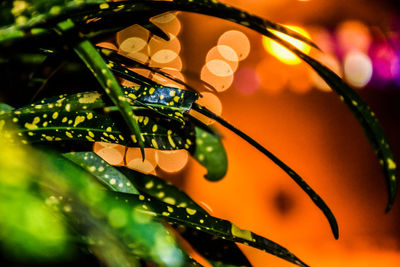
x: 275, y: 98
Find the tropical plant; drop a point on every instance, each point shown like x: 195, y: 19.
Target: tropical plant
x: 58, y: 195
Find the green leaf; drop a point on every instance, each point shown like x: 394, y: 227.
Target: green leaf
x: 109, y: 176
x: 95, y: 63
x: 90, y: 127
x: 153, y: 186
x: 209, y: 246
x: 306, y: 188
x: 71, y: 192
x: 4, y: 108
x: 202, y: 221
x: 210, y: 152
x: 362, y: 112
x: 128, y: 74
x: 113, y: 56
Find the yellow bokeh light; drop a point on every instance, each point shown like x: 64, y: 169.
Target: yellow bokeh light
x: 282, y: 53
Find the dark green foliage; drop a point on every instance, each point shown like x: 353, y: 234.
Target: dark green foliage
x: 123, y: 216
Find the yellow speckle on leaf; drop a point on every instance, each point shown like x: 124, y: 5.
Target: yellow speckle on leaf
x: 68, y: 134
x: 391, y: 164
x: 154, y: 143
x: 78, y: 120
x: 240, y: 233
x: 149, y: 185
x: 32, y: 126
x: 191, y: 211
x: 104, y: 6
x: 170, y: 200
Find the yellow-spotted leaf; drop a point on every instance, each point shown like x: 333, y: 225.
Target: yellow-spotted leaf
x: 307, y: 189
x: 201, y: 221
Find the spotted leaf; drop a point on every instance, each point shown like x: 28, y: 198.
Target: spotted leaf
x: 127, y: 74
x: 90, y: 127
x: 210, y: 153
x: 203, y: 222
x: 309, y: 191
x: 362, y: 112
x: 113, y: 56
x: 109, y: 176
x: 90, y: 209
x: 212, y: 247
x: 95, y: 63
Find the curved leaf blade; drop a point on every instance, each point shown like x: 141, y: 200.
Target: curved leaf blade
x: 209, y: 246
x: 203, y: 222
x: 109, y: 176
x: 306, y: 188
x: 366, y: 117
x: 95, y: 63
x: 88, y: 126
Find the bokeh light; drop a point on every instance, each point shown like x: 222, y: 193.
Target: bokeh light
x: 238, y: 41
x: 168, y: 22
x: 353, y: 35
x: 224, y: 53
x: 219, y: 68
x: 357, y: 68
x: 384, y: 61
x: 132, y: 45
x: 112, y: 153
x: 247, y: 80
x: 219, y: 83
x: 135, y: 162
x: 172, y: 161
x: 282, y: 53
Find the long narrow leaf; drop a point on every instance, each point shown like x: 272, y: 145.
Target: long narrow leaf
x: 309, y: 191
x: 88, y: 126
x: 105, y: 173
x: 89, y: 55
x: 362, y: 112
x: 202, y: 221
x: 211, y: 247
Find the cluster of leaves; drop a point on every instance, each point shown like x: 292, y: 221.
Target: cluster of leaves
x: 136, y: 217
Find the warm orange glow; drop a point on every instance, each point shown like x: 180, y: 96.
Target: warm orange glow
x: 224, y: 53
x: 164, y: 56
x: 273, y: 75
x: 175, y: 63
x: 135, y: 162
x: 132, y: 45
x: 107, y: 45
x: 281, y: 52
x: 172, y: 161
x: 132, y: 31
x: 299, y: 80
x: 331, y: 62
x: 112, y: 153
x: 210, y: 101
x: 238, y: 41
x: 219, y: 68
x: 219, y: 83
x: 156, y: 44
x: 247, y: 80
x: 353, y: 35
x: 168, y: 22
